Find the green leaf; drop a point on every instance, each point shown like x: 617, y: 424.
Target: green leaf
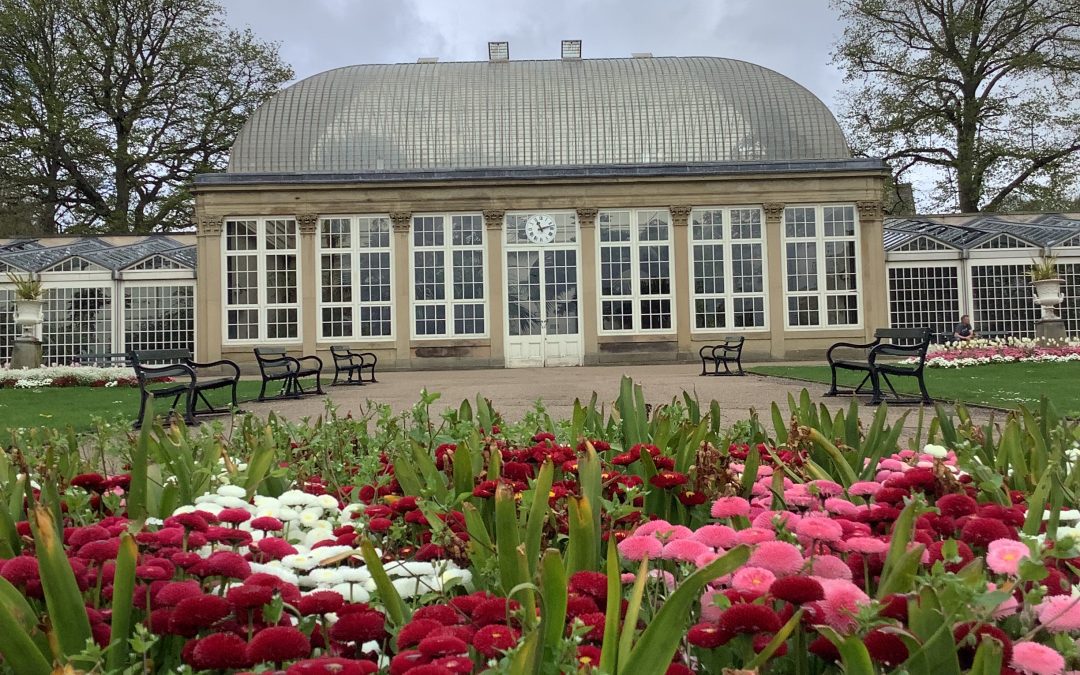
x: 779, y: 424
x: 553, y: 592
x: 609, y: 648
x: 987, y: 657
x: 62, y: 597
x: 13, y: 603
x: 136, y: 495
x: 581, y: 550
x: 847, y: 474
x: 749, y: 476
x: 657, y: 645
x: 464, y: 479
x: 122, y: 605
x: 853, y: 652
x: 20, y: 653
x: 391, y: 599
x: 534, y: 528
x: 902, y: 532
x: 633, y: 608
x: 480, y: 545
x: 507, y: 538
x: 774, y: 644
x: 527, y: 657
x: 262, y: 458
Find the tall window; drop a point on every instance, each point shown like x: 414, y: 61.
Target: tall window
x: 261, y: 294
x: 1001, y: 300
x: 159, y: 317
x: 728, y: 273
x: 820, y: 258
x: 924, y: 297
x: 8, y: 329
x: 355, y: 297
x: 449, y: 298
x: 76, y: 321
x: 635, y: 272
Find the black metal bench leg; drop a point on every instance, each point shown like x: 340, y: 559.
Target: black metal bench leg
x: 738, y: 362
x: 832, y: 388
x: 922, y: 388
x: 876, y: 384
x: 262, y: 390
x: 318, y: 382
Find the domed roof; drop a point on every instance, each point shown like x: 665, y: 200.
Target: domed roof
x: 518, y: 114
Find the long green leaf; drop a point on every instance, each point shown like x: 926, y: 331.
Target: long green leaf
x: 776, y: 642
x: 62, y: 596
x: 657, y: 645
x: 391, y: 599
x: 140, y: 459
x: 527, y: 658
x: 987, y: 658
x: 534, y: 529
x: 464, y: 478
x: 846, y: 472
x: 260, y: 461
x: 853, y: 653
x: 633, y: 608
x: 507, y: 538
x: 610, y: 647
x: 480, y: 545
x: 123, y: 593
x: 553, y: 593
x: 903, y: 530
x: 582, y: 545
x: 19, y: 651
x: 14, y: 603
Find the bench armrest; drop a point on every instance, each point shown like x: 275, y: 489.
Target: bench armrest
x: 849, y: 345
x: 316, y: 359
x: 215, y: 364
x: 167, y: 370
x: 287, y: 362
x: 895, y: 350
x: 708, y: 348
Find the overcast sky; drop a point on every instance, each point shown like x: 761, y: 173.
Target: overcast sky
x: 793, y: 37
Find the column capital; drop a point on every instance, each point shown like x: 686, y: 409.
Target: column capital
x: 402, y: 220
x: 586, y: 216
x: 493, y: 219
x: 870, y: 209
x: 773, y: 211
x: 307, y: 222
x: 680, y: 215
x: 209, y: 226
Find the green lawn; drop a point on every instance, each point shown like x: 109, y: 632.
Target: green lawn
x: 1004, y: 385
x: 77, y: 406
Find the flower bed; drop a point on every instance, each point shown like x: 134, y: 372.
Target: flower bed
x: 649, y: 545
x: 67, y: 376
x: 1010, y: 350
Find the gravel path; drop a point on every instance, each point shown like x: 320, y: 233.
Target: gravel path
x: 514, y: 391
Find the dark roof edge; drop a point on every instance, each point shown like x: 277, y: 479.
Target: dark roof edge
x: 620, y: 171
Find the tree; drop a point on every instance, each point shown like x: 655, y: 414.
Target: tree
x: 985, y: 94
x: 108, y: 108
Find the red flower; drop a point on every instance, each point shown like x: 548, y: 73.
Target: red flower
x: 442, y: 645
x: 275, y: 548
x: 416, y: 630
x: 189, y: 521
x: 678, y: 669
x: 595, y: 623
x: 175, y: 591
x: 707, y: 636
x: 249, y: 597
x: 234, y: 516
x: 668, y: 479
x: 982, y: 531
x: 444, y: 614
x: 332, y: 666
x: 967, y: 643
x: 380, y: 524
x: 278, y: 644
x: 896, y: 607
x: 691, y: 498
x: 746, y: 618
x: 406, y: 661
x: 359, y: 627
x: 455, y: 664
x: 20, y: 569
x: 485, y: 489
x: 885, y: 648
x: 576, y: 605
x: 593, y: 584
x: 267, y: 524
x: 224, y: 564
x: 797, y: 590
x: 196, y: 613
x: 92, y: 482
x: 495, y: 610
x: 320, y: 602
x: 219, y: 651
x: 963, y: 552
x: 492, y: 640
x: 956, y: 506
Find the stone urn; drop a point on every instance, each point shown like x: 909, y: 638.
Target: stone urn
x: 29, y: 313
x: 1048, y: 296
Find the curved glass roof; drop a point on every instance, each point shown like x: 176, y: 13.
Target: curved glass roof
x: 30, y: 255
x: 968, y: 232
x: 516, y: 114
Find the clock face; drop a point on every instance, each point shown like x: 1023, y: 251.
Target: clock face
x: 540, y: 229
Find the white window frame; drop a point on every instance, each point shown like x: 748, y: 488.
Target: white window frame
x: 261, y: 253
x: 635, y: 297
x: 821, y: 293
x: 121, y: 305
x: 448, y: 301
x: 96, y: 281
x: 354, y: 250
x: 962, y: 293
x: 729, y: 295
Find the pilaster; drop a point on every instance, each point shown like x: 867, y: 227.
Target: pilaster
x: 307, y: 224
x: 496, y: 285
x: 775, y: 275
x: 874, y: 307
x: 682, y: 307
x: 209, y: 291
x: 403, y: 289
x: 588, y: 292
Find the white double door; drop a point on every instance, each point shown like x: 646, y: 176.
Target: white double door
x: 542, y: 309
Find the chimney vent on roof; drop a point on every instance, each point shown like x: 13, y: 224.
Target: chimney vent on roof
x: 571, y: 50
x: 428, y: 59
x: 498, y: 51
x: 641, y: 55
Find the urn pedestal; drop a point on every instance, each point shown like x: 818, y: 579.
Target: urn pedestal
x: 26, y: 348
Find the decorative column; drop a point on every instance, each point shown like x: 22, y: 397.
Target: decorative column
x: 588, y: 292
x: 774, y: 276
x: 872, y: 278
x: 682, y: 307
x: 403, y: 289
x: 209, y: 290
x: 308, y: 224
x: 496, y: 285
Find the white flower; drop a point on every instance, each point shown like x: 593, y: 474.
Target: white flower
x: 355, y: 574
x: 455, y: 575
x: 327, y: 502
x: 234, y: 491
x: 278, y: 570
x: 300, y: 561
x: 186, y: 508
x: 352, y: 592
x: 231, y: 502
x: 409, y: 587
x: 415, y: 569
x: 310, y: 516
x: 296, y: 498
x: 935, y: 451
x: 325, y: 576
x: 316, y: 535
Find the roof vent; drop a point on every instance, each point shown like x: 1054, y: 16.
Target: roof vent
x: 428, y: 59
x: 498, y: 51
x: 641, y: 55
x: 571, y: 50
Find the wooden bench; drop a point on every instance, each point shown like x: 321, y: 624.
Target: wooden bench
x: 176, y: 374
x: 729, y: 351
x: 867, y: 358
x: 277, y: 366
x: 353, y: 363
x: 105, y: 359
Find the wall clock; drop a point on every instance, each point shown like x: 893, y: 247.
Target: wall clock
x: 540, y: 229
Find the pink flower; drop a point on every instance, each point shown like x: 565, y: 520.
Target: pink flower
x: 754, y: 535
x: 830, y: 567
x: 779, y: 557
x: 771, y: 519
x: 710, y: 611
x: 638, y: 547
x: 667, y: 577
x: 841, y: 507
x: 1008, y: 607
x: 717, y: 536
x: 1059, y: 613
x: 866, y: 545
x: 664, y: 530
x: 755, y: 580
x: 827, y: 488
x: 726, y: 507
x: 799, y: 496
x: 841, y: 603
x: 706, y: 558
x: 686, y: 550
x: 1033, y: 658
x: 1003, y: 556
x: 819, y: 529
